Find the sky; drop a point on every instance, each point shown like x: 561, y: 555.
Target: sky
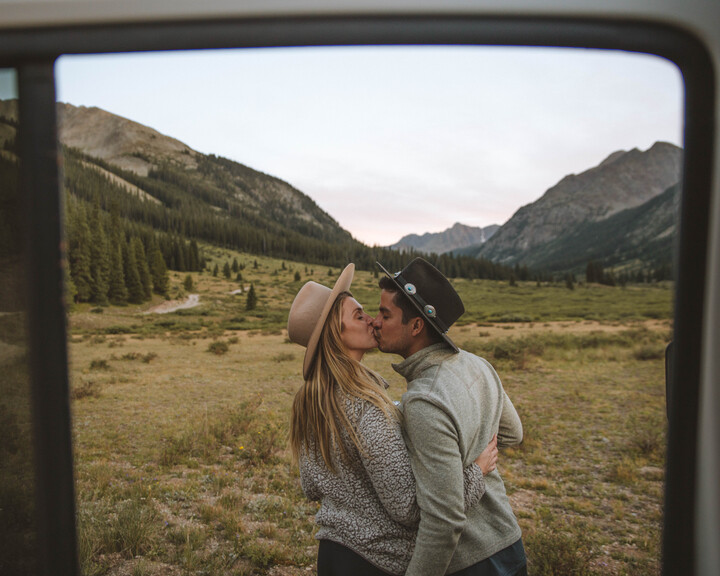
x: 395, y: 140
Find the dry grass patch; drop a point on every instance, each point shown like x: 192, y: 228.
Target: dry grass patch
x: 181, y: 460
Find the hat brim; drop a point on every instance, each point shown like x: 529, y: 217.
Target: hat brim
x: 341, y: 285
x: 427, y: 319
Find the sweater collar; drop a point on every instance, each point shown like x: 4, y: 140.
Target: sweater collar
x: 412, y: 366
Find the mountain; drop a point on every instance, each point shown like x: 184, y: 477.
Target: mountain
x: 635, y: 238
x: 149, y: 187
x: 230, y: 187
x: 624, y: 180
x: 454, y: 238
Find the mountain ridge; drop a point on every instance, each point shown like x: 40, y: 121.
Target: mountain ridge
x: 457, y: 236
x: 622, y: 181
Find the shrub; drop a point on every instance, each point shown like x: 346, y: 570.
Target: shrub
x: 552, y: 552
x: 118, y: 330
x: 132, y: 530
x: 99, y: 365
x: 85, y: 390
x: 649, y: 352
x: 647, y: 435
x: 623, y: 472
x: 219, y: 347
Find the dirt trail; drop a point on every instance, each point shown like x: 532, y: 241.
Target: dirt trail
x: 173, y: 305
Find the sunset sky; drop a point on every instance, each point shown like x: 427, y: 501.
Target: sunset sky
x: 392, y: 141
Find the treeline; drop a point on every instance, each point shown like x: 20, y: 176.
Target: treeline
x: 191, y: 208
x: 595, y: 272
x: 115, y: 261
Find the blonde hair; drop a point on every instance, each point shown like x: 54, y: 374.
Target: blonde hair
x: 318, y: 412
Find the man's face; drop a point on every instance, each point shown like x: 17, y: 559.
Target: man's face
x: 392, y: 335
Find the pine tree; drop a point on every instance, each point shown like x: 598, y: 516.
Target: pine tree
x: 142, y: 267
x: 79, y: 240
x: 158, y: 272
x: 235, y: 265
x: 251, y: 302
x: 132, y: 277
x: 195, y: 262
x: 226, y: 270
x: 215, y: 270
x: 188, y: 283
x: 99, y: 258
x: 117, y: 292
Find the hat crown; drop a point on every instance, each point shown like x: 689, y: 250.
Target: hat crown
x: 431, y: 293
x: 306, y: 311
x: 434, y: 289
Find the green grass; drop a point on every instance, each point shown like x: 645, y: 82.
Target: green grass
x: 181, y: 458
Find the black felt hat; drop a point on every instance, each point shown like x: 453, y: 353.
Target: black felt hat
x: 431, y: 293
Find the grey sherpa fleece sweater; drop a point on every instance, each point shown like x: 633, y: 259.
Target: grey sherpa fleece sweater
x: 453, y: 406
x: 370, y: 505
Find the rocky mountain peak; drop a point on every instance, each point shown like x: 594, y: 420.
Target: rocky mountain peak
x: 624, y: 180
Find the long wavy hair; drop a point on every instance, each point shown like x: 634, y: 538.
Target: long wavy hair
x: 318, y: 412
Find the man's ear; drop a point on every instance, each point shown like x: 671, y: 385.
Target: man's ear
x: 416, y: 326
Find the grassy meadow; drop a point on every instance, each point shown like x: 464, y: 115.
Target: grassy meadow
x: 180, y: 423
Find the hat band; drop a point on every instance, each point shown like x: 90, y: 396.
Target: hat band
x: 428, y: 310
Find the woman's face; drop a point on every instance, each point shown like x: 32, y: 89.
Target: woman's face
x: 357, y: 329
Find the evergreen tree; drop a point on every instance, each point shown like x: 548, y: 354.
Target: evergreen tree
x: 216, y: 270
x: 99, y: 258
x: 133, y: 284
x: 159, y: 273
x: 195, y: 262
x: 297, y: 276
x: 142, y: 267
x: 117, y: 291
x: 235, y: 265
x: 226, y: 270
x: 79, y: 240
x: 188, y: 283
x: 251, y: 302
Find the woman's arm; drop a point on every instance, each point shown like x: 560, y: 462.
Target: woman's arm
x: 307, y: 481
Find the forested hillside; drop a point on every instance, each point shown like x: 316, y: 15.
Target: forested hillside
x: 125, y: 230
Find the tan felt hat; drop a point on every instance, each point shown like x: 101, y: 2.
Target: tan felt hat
x: 309, y: 311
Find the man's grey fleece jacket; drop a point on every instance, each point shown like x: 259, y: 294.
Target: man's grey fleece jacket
x: 454, y: 404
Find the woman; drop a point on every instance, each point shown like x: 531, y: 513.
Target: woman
x: 345, y: 435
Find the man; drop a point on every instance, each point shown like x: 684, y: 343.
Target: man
x: 453, y: 406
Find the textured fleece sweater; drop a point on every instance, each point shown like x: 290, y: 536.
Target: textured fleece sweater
x: 455, y: 402
x: 369, y: 506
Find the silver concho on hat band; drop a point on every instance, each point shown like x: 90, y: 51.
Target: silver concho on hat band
x: 410, y: 288
x: 430, y: 311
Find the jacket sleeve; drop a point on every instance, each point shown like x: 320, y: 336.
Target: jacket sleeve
x: 473, y: 485
x: 307, y: 482
x: 510, y: 432
x: 386, y: 461
x: 436, y: 460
